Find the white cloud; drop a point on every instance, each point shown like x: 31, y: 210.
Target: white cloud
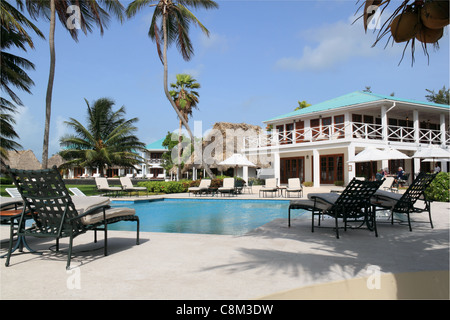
x: 215, y: 41
x: 30, y: 130
x: 334, y: 44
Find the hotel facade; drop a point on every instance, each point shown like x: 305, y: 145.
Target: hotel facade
x: 316, y: 143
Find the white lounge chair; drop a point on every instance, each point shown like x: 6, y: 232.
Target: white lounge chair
x: 388, y: 184
x: 77, y: 192
x: 228, y: 186
x: 13, y: 192
x: 271, y: 186
x: 127, y: 186
x: 103, y: 186
x: 294, y: 185
x: 203, y: 187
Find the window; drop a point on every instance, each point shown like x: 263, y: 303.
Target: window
x: 339, y: 127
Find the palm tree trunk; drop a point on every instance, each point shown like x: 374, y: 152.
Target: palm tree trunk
x: 166, y: 91
x: 179, y: 151
x: 51, y: 77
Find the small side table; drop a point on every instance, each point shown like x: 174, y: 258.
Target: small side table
x: 9, y: 217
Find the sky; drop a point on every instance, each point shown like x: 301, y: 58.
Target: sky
x: 260, y: 58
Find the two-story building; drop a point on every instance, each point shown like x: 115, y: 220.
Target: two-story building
x: 316, y: 143
x: 152, y: 164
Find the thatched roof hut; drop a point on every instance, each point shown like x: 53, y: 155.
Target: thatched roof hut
x: 224, y: 140
x: 55, y: 160
x: 23, y: 159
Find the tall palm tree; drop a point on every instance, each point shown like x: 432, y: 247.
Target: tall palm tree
x: 13, y: 71
x: 108, y: 138
x: 170, y: 23
x: 89, y: 12
x: 186, y: 99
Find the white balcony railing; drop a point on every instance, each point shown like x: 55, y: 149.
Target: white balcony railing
x: 354, y: 130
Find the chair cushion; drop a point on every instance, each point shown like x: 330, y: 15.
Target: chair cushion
x: 97, y: 216
x: 84, y: 204
x: 330, y: 197
x: 308, y: 205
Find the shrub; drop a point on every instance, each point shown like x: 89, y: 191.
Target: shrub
x: 308, y: 183
x: 439, y: 188
x: 339, y: 183
x: 256, y: 181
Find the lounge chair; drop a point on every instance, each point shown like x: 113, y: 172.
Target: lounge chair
x: 77, y: 192
x: 406, y: 203
x: 203, y: 187
x: 270, y: 186
x: 228, y: 186
x: 103, y: 186
x: 352, y: 205
x: 8, y: 203
x: 294, y: 185
x: 13, y: 192
x: 127, y: 186
x: 388, y: 184
x: 55, y: 214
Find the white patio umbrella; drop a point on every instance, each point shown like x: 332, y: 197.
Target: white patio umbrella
x: 432, y: 152
x: 237, y: 160
x: 371, y: 154
x: 374, y: 154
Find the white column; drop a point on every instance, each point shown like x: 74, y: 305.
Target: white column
x: 348, y: 126
x: 351, y: 167
x: 384, y: 124
x: 416, y: 127
x: 276, y: 165
x: 416, y: 165
x: 442, y: 127
x: 316, y: 175
x: 245, y: 173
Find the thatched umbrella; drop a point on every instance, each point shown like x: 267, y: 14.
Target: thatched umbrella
x: 23, y: 159
x: 224, y: 140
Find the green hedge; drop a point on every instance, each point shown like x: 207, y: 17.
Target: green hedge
x: 181, y: 186
x: 439, y: 188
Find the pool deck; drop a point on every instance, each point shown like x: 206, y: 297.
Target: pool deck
x: 270, y: 262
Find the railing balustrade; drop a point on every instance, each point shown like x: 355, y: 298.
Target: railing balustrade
x: 358, y: 131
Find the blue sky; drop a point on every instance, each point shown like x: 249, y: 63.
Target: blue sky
x: 260, y: 59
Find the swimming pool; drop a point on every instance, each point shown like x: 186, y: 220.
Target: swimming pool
x: 203, y: 216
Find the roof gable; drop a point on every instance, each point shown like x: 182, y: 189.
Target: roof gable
x: 157, y: 145
x: 354, y: 98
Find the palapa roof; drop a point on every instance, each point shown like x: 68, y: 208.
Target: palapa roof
x: 23, y: 159
x: 224, y: 140
x: 55, y: 160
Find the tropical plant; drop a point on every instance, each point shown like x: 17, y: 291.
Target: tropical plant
x: 302, y: 104
x: 74, y: 15
x: 186, y: 99
x: 108, y: 139
x: 442, y: 96
x: 13, y: 71
x: 170, y: 23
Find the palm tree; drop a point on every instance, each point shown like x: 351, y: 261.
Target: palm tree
x: 186, y: 99
x: 170, y: 23
x: 108, y: 139
x: 13, y: 74
x: 89, y: 12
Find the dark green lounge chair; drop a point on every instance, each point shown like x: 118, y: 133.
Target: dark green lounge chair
x: 352, y: 205
x: 406, y: 203
x: 55, y: 214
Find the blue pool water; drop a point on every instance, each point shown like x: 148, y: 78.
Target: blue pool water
x: 203, y: 216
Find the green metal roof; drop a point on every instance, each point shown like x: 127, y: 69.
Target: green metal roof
x: 354, y: 98
x: 157, y: 145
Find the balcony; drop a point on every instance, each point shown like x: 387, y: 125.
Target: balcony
x: 355, y: 131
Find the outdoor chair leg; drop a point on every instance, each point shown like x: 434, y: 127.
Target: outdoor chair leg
x: 69, y: 254
x: 11, y: 235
